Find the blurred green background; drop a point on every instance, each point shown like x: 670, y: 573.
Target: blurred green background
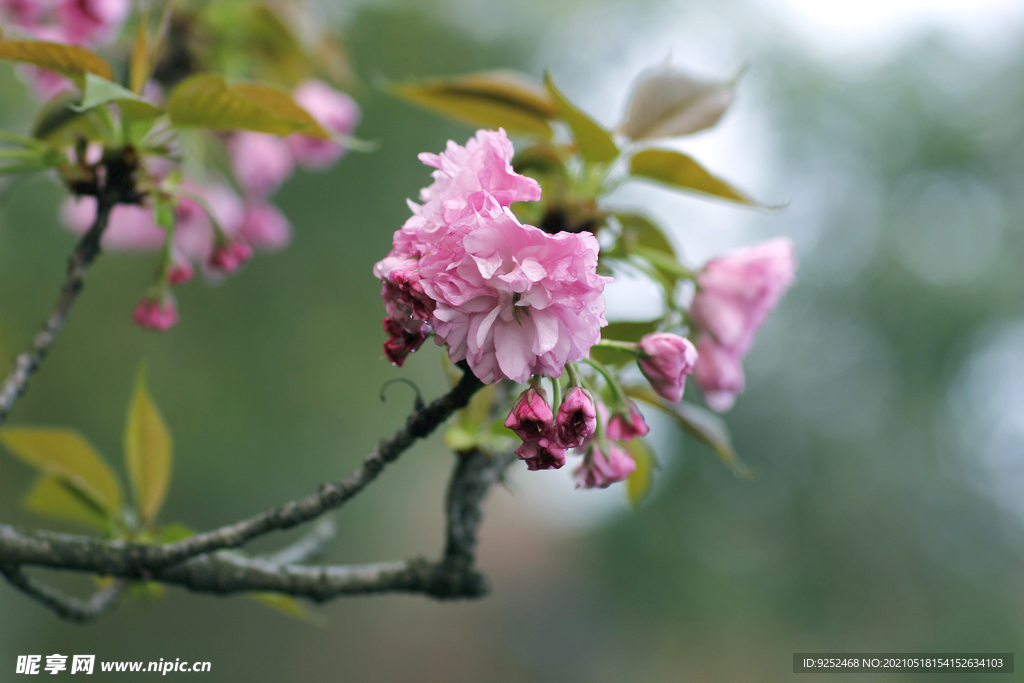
x: 884, y: 410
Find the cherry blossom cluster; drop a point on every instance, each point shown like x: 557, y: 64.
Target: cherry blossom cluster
x: 75, y: 22
x: 509, y: 299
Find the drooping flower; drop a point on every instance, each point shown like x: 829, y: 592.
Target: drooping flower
x: 625, y: 426
x: 156, y: 313
x: 735, y: 294
x: 531, y: 417
x: 264, y: 227
x: 335, y: 111
x: 541, y: 454
x: 577, y: 418
x: 229, y: 256
x: 91, y: 21
x: 603, y: 466
x: 665, y: 360
x: 401, y: 342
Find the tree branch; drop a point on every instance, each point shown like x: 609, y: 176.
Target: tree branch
x: 65, y: 606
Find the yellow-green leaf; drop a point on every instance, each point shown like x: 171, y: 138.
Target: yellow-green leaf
x: 667, y: 102
x: 280, y: 103
x: 680, y: 170
x: 100, y: 91
x: 69, y: 60
x: 638, y: 485
x: 51, y: 498
x: 65, y: 455
x: 492, y: 99
x: 138, y: 68
x: 702, y: 425
x: 207, y: 101
x: 594, y: 142
x: 147, y: 450
x: 640, y: 231
x: 289, y: 606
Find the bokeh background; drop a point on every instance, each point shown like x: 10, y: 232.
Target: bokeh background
x: 884, y: 414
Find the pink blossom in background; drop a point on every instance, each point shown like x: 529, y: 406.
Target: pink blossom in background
x: 23, y: 13
x: 531, y: 416
x: 335, y: 111
x: 603, y: 466
x: 735, y: 294
x: 665, y: 360
x: 264, y: 227
x: 577, y: 418
x: 131, y: 226
x: 260, y: 161
x: 156, y: 314
x: 91, y: 21
x: 626, y: 426
x: 508, y: 298
x: 541, y: 454
x: 719, y: 373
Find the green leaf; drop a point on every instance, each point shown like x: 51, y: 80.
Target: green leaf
x: 289, y: 606
x: 665, y: 262
x: 666, y: 103
x: 172, y: 533
x: 52, y: 498
x: 139, y: 65
x: 66, y: 456
x: 679, y: 170
x: 99, y: 91
x: 147, y: 450
x: 594, y: 142
x: 702, y: 425
x: 69, y: 60
x: 640, y: 231
x: 627, y: 331
x: 491, y: 99
x: 207, y: 101
x: 638, y: 485
x: 280, y: 103
x: 541, y: 159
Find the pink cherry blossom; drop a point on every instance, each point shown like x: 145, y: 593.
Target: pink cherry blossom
x: 719, y: 372
x: 91, y: 21
x: 264, y: 227
x: 666, y: 359
x: 577, y: 418
x: 541, y: 454
x: 260, y: 161
x: 335, y: 111
x: 131, y: 226
x: 625, y: 426
x: 229, y: 257
x: 156, y: 314
x: 531, y: 417
x: 737, y: 291
x: 735, y: 294
x: 603, y: 466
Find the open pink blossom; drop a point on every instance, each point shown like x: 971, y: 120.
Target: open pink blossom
x: 735, y: 294
x: 131, y: 226
x: 666, y: 359
x: 260, y: 161
x: 335, y: 111
x: 603, y: 466
x: 512, y: 300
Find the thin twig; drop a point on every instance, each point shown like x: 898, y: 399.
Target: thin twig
x: 65, y: 606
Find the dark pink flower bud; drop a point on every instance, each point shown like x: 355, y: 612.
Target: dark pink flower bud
x: 181, y: 271
x: 719, y: 374
x: 402, y: 341
x: 226, y: 258
x: 599, y: 469
x: 626, y: 426
x: 531, y: 417
x: 666, y: 359
x: 541, y: 454
x: 577, y: 418
x: 156, y: 314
